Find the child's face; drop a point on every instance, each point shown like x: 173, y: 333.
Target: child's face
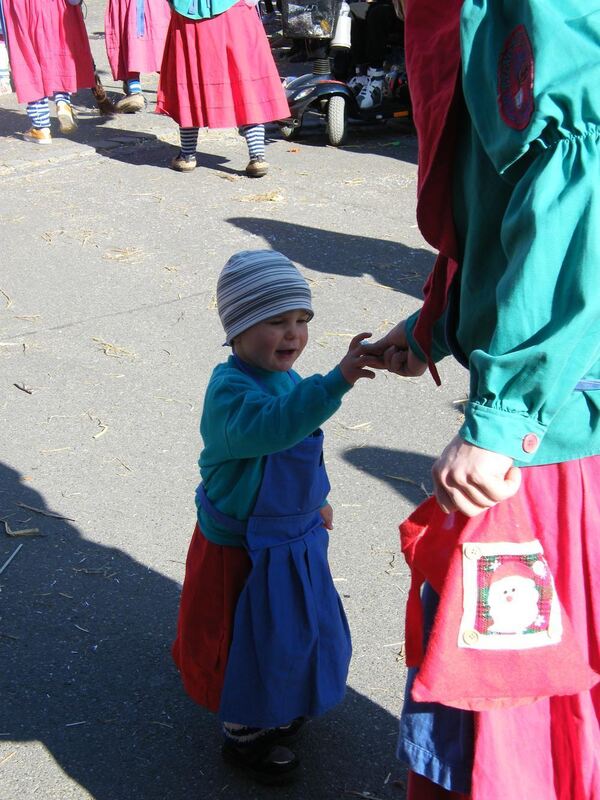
x: 275, y: 343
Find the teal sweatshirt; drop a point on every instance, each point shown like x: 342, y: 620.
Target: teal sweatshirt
x: 201, y: 9
x: 525, y: 313
x: 243, y: 422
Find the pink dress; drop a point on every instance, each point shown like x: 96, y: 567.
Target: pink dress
x: 133, y: 44
x: 219, y: 72
x: 48, y: 48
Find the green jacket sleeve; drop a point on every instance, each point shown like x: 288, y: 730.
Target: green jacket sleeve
x: 439, y: 348
x: 547, y: 335
x: 247, y: 422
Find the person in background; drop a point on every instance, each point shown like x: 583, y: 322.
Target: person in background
x: 50, y: 56
x: 135, y: 32
x: 370, y: 38
x: 218, y: 72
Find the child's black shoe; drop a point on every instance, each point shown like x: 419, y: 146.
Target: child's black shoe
x: 291, y: 730
x: 266, y: 763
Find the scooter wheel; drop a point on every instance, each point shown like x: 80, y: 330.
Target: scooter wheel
x: 288, y: 131
x: 336, y: 120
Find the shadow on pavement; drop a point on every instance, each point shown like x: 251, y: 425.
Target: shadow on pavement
x: 85, y: 632
x: 392, y: 139
x: 409, y: 474
x: 389, y: 263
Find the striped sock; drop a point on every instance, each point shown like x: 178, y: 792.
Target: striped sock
x: 255, y: 139
x: 133, y: 83
x: 189, y: 139
x: 62, y: 97
x: 39, y: 113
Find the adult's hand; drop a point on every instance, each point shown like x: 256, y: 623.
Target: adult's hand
x: 393, y: 353
x: 470, y: 479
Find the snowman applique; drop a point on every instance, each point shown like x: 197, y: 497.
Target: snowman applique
x: 513, y: 598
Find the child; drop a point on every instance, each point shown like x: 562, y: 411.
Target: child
x: 218, y: 72
x: 262, y: 637
x: 49, y: 55
x: 135, y: 40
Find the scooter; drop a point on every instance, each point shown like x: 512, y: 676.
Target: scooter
x: 322, y: 94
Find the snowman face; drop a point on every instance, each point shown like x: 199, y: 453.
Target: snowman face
x: 513, y: 604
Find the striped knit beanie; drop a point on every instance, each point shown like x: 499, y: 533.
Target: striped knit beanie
x: 255, y: 285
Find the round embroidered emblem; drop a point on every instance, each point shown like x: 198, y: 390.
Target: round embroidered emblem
x: 515, y: 80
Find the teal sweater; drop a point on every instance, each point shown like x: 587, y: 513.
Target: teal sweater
x: 527, y: 214
x: 201, y: 9
x: 243, y: 422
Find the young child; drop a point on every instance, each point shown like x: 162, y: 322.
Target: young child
x: 218, y: 72
x: 49, y: 55
x: 262, y: 637
x: 135, y: 40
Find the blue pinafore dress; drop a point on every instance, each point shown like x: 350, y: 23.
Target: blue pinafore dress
x: 291, y: 648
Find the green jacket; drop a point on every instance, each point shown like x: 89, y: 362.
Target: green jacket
x: 201, y: 9
x: 242, y: 422
x: 524, y: 314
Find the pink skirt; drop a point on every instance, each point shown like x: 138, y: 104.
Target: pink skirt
x: 127, y: 50
x: 48, y: 47
x: 551, y: 749
x: 219, y: 72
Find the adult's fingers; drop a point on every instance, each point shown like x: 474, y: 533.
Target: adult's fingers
x: 455, y: 500
x: 471, y: 499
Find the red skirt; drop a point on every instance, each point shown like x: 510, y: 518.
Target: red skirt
x: 219, y: 72
x: 48, y: 48
x: 127, y: 50
x: 214, y: 578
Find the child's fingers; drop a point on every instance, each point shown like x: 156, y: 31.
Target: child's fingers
x: 365, y: 373
x: 357, y: 340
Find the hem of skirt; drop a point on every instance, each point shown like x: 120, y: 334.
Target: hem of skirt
x: 133, y: 64
x: 255, y: 116
x: 209, y: 697
x: 275, y: 722
x: 429, y: 766
x: 30, y: 93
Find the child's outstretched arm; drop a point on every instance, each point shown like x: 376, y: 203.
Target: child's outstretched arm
x: 353, y: 364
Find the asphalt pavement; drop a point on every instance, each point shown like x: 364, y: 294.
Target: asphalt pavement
x: 108, y: 335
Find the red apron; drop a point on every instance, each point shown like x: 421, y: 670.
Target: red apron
x: 501, y: 637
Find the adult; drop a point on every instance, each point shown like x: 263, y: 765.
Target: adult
x: 506, y: 100
x: 49, y: 56
x: 371, y: 35
x: 135, y: 40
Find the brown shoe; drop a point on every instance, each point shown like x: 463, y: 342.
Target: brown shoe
x: 183, y: 163
x: 257, y: 167
x: 38, y: 136
x: 131, y: 103
x: 67, y: 121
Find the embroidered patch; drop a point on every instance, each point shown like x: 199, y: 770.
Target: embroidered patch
x: 515, y: 80
x: 509, y: 599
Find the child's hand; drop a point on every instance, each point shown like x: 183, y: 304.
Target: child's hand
x: 353, y: 363
x: 393, y: 353
x: 327, y: 516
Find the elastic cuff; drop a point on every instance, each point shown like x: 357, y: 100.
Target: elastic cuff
x: 510, y: 433
x: 412, y: 342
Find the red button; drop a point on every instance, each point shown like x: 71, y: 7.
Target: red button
x: 530, y: 443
